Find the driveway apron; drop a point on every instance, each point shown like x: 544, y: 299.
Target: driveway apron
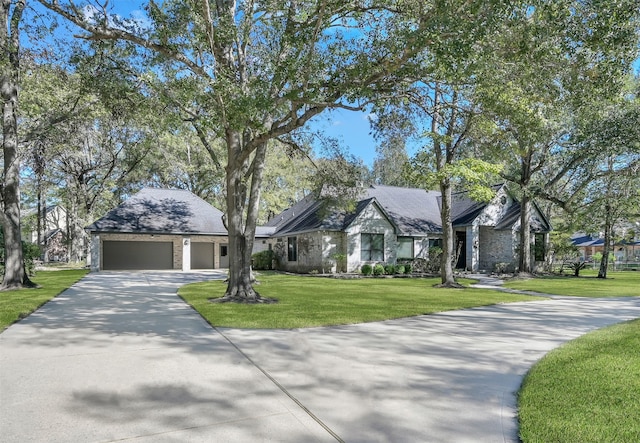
x: 120, y: 357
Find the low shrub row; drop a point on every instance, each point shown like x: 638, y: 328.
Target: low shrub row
x: 263, y: 261
x: 388, y: 269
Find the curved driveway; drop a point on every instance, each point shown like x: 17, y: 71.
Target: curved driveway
x: 119, y: 357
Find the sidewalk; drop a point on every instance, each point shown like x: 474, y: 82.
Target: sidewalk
x: 119, y: 357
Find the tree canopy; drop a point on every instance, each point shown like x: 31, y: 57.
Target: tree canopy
x: 216, y: 97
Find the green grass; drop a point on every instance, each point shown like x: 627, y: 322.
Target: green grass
x: 617, y: 284
x: 585, y: 391
x: 313, y: 301
x: 15, y: 305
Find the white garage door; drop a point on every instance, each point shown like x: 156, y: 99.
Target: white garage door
x: 132, y: 255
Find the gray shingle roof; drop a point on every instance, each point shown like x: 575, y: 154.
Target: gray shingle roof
x: 412, y: 211
x: 158, y: 211
x: 310, y: 214
x: 464, y: 209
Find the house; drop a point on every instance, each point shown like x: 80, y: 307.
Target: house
x: 390, y: 224
x: 588, y: 245
x: 53, y: 232
x: 160, y: 229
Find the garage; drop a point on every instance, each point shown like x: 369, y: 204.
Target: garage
x: 137, y: 255
x: 158, y: 229
x: 202, y: 255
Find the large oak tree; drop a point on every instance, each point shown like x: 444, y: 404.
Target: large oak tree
x: 250, y: 72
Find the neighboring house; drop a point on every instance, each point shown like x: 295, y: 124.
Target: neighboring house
x: 390, y: 224
x: 53, y: 232
x: 588, y: 245
x: 160, y: 229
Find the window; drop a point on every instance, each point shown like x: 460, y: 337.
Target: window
x: 405, y: 247
x: 292, y: 248
x: 539, y: 249
x: 435, y: 243
x: 224, y: 250
x: 372, y: 247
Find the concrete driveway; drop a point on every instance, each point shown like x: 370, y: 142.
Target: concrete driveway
x: 120, y: 357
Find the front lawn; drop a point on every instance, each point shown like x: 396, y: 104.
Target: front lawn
x: 15, y: 305
x: 585, y: 391
x: 617, y: 284
x: 313, y: 301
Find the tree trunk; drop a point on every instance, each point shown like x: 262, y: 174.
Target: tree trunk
x: 241, y: 235
x: 524, y: 261
x: 448, y: 243
x: 606, y: 250
x: 15, y: 275
x: 444, y: 156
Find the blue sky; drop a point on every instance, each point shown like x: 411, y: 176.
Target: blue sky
x: 351, y: 128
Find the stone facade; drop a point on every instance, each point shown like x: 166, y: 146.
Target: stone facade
x: 370, y: 221
x: 487, y: 248
x: 497, y: 247
x: 321, y: 251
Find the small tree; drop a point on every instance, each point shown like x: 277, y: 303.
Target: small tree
x: 563, y: 250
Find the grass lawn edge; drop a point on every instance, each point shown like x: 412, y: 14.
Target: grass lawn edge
x: 585, y: 390
x: 306, y: 302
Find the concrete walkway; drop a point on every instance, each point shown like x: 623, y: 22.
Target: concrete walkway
x: 119, y: 357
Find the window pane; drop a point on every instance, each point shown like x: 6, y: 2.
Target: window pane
x: 377, y: 255
x: 539, y: 247
x: 365, y: 247
x: 377, y: 247
x: 377, y: 242
x: 435, y: 243
x: 292, y: 248
x: 405, y: 247
x: 372, y: 247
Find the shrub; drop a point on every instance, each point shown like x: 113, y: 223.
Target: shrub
x: 378, y: 269
x: 433, y: 264
x: 501, y: 268
x: 398, y: 269
x: 407, y: 268
x: 341, y: 262
x: 419, y: 265
x: 389, y: 269
x: 576, y: 267
x: 366, y: 269
x: 262, y: 260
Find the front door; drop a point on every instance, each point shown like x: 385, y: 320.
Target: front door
x: 461, y: 249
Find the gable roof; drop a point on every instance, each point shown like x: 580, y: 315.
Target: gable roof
x: 162, y: 211
x: 310, y: 214
x: 465, y: 210
x: 411, y: 211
